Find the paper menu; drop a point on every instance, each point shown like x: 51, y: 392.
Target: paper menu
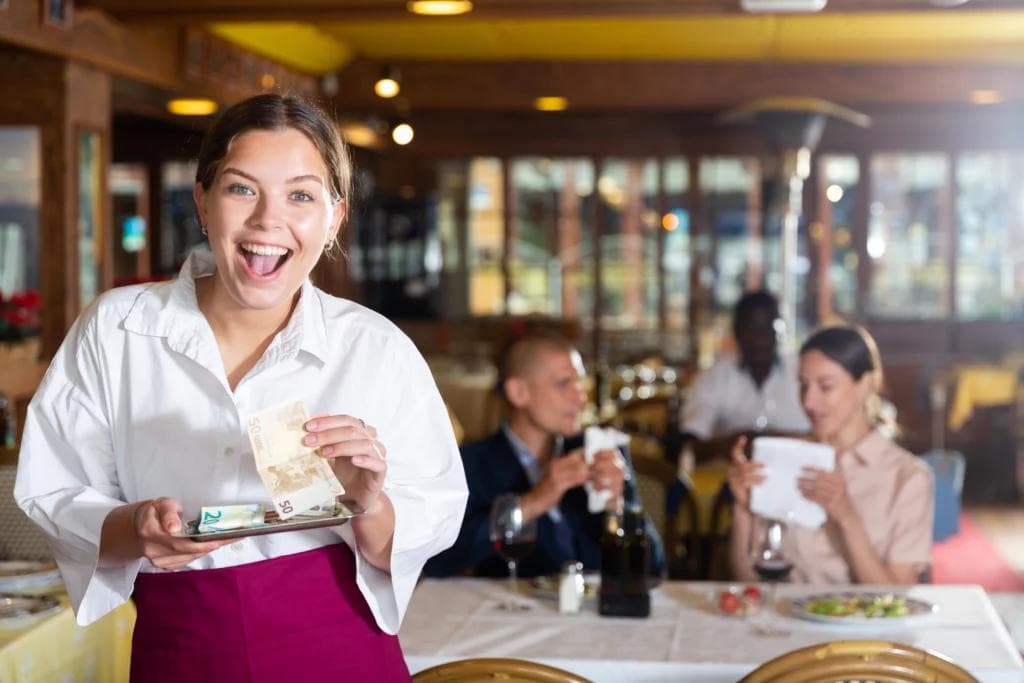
x: 778, y: 496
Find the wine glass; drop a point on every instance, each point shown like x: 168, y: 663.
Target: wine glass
x: 513, y: 537
x: 770, y: 561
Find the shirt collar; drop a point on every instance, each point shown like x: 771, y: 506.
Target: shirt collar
x: 527, y: 458
x: 870, y: 450
x: 172, y: 311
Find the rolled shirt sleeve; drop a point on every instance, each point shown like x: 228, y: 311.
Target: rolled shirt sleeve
x: 427, y: 487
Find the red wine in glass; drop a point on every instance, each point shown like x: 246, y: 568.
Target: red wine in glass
x: 513, y: 550
x: 772, y: 570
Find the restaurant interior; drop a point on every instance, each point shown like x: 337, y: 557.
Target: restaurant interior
x: 617, y: 171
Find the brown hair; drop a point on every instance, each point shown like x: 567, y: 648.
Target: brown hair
x: 854, y: 349
x: 273, y: 112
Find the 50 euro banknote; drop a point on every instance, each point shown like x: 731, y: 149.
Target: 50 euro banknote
x: 295, y: 475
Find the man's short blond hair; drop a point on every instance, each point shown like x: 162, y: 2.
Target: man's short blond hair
x: 520, y: 355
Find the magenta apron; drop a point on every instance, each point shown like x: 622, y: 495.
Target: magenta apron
x: 295, y: 618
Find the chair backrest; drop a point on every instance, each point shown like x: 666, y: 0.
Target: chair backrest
x: 859, y: 660
x: 482, y: 670
x: 949, y: 466
x: 948, y: 470
x: 20, y: 538
x: 679, y: 528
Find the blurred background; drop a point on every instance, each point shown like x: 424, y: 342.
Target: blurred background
x: 620, y: 170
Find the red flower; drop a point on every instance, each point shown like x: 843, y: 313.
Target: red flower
x: 30, y: 299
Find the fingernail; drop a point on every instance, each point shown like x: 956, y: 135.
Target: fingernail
x: 311, y: 425
x: 327, y: 450
x: 309, y: 440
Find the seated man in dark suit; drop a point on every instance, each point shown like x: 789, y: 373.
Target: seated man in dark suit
x: 538, y: 454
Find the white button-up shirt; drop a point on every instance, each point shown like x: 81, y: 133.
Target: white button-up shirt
x: 724, y: 399
x: 136, y: 405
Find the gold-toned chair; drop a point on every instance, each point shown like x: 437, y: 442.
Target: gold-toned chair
x: 680, y: 532
x: 859, y: 660
x: 482, y: 670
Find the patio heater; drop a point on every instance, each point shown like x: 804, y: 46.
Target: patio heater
x: 792, y: 127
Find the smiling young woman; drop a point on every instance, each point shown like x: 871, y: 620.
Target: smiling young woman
x: 878, y: 499
x: 142, y: 420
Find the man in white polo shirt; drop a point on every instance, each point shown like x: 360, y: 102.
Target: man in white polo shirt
x: 754, y: 392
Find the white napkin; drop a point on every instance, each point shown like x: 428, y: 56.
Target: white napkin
x: 600, y: 439
x: 778, y: 496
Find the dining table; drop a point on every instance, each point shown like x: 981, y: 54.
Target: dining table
x: 55, y: 648
x: 687, y: 638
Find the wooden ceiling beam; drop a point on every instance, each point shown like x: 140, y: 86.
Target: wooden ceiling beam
x: 632, y: 86
x: 202, y: 11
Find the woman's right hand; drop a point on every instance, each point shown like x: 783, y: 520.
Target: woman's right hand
x: 743, y: 473
x: 159, y: 530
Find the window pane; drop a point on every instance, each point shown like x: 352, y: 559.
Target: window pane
x: 550, y: 250
x: 676, y: 255
x: 19, y: 209
x: 840, y: 182
x: 90, y: 229
x: 907, y: 244
x: 728, y: 188
x: 179, y: 227
x: 485, y: 235
x: 990, y: 260
x: 628, y: 191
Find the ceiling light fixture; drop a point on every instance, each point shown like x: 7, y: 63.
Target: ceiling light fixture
x: 439, y: 8
x: 191, y: 106
x: 986, y: 97
x: 402, y: 133
x: 388, y: 84
x: 551, y: 104
x: 779, y: 6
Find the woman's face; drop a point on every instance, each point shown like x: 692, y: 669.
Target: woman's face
x: 269, y: 215
x: 833, y: 400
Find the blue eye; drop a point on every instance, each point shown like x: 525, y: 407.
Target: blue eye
x: 238, y: 188
x: 302, y: 196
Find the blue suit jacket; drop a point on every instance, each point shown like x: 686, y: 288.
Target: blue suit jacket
x: 492, y: 468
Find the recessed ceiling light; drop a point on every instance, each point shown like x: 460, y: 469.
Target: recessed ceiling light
x: 402, y: 134
x: 551, y: 104
x: 191, y: 106
x: 438, y: 8
x: 986, y: 97
x: 389, y: 83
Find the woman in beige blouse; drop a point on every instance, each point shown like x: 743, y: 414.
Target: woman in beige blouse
x: 879, y: 498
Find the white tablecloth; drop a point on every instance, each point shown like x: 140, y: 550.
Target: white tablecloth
x: 685, y: 638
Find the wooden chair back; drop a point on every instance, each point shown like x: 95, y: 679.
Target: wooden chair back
x: 859, y: 660
x: 484, y: 670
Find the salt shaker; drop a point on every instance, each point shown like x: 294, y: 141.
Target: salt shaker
x: 570, y: 588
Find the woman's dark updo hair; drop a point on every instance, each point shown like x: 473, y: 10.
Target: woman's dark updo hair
x: 276, y: 112
x: 854, y: 350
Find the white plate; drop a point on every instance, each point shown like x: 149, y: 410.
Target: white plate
x: 27, y: 577
x: 21, y: 611
x: 916, y: 609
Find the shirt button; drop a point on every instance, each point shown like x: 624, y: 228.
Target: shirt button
x: 228, y: 452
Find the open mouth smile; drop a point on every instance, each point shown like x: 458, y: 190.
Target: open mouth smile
x: 263, y: 260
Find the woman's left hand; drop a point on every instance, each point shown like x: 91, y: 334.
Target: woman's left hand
x: 355, y: 454
x: 827, y: 489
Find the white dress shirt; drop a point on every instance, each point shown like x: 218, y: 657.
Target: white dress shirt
x: 724, y: 399
x: 136, y: 405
